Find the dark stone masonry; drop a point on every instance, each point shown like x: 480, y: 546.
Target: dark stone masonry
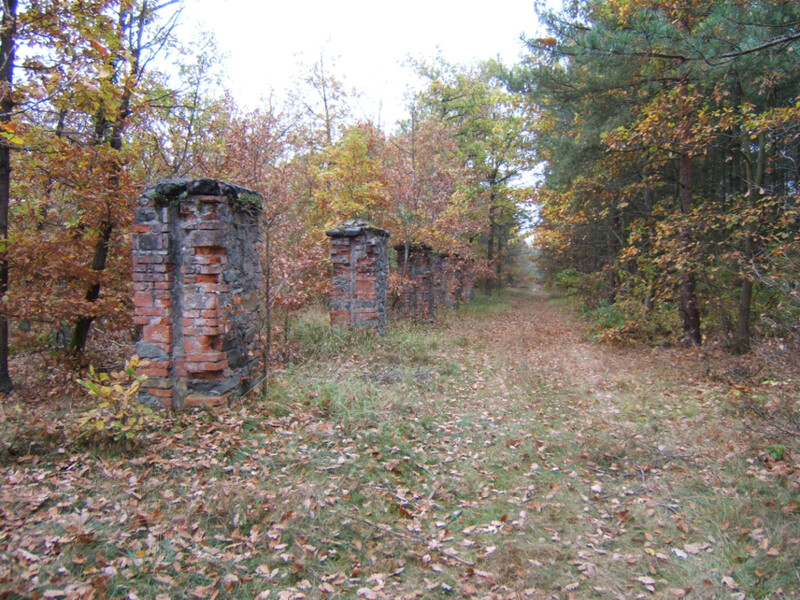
x: 432, y: 281
x: 360, y: 263
x: 415, y: 264
x: 197, y: 283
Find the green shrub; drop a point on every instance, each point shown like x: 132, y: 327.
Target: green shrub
x: 589, y: 288
x: 118, y: 414
x: 629, y: 321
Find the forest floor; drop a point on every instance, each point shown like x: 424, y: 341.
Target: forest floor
x: 499, y: 453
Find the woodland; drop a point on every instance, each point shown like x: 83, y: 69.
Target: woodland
x: 615, y: 415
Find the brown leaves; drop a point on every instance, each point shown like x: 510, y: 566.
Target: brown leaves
x: 243, y: 501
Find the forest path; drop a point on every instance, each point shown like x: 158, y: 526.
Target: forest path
x: 498, y: 454
x: 630, y: 455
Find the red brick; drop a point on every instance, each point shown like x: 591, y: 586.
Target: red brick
x: 206, y: 278
x: 142, y: 299
x: 160, y: 392
x: 209, y: 401
x: 157, y: 334
x: 210, y: 375
x: 150, y: 259
x: 153, y: 372
x: 210, y: 250
x: 206, y: 357
x: 211, y: 331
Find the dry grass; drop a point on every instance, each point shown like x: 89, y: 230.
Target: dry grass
x: 496, y: 455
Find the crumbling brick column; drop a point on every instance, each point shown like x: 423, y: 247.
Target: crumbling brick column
x: 360, y: 261
x: 450, y: 282
x: 418, y: 295
x: 466, y: 280
x: 197, y: 285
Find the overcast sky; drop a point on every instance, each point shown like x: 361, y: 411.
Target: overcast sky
x: 368, y: 40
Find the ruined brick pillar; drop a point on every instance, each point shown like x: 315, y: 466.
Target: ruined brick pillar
x: 360, y: 261
x: 466, y: 280
x: 418, y: 295
x: 450, y: 280
x: 197, y: 285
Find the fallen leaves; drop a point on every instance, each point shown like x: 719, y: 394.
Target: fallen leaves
x: 526, y: 485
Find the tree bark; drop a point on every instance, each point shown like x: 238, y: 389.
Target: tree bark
x: 615, y: 247
x: 488, y: 285
x: 689, y: 308
x: 9, y: 25
x: 753, y: 182
x: 267, y: 306
x: 80, y: 331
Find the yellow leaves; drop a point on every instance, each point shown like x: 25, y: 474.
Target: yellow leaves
x: 353, y: 179
x: 118, y: 414
x: 8, y: 131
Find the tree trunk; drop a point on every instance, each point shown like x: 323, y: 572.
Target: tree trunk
x: 615, y: 247
x: 741, y: 340
x: 80, y: 332
x: 488, y: 285
x: 500, y: 245
x: 689, y: 308
x: 111, y: 133
x: 9, y: 31
x: 754, y: 181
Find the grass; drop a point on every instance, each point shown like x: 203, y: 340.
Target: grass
x: 495, y: 454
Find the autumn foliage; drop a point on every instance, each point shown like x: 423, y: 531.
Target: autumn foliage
x: 92, y: 115
x: 669, y: 136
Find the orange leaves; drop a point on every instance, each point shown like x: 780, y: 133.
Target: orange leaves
x: 101, y: 50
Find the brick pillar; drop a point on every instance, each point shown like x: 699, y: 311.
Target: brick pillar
x: 360, y: 263
x: 418, y: 296
x: 197, y: 290
x: 466, y: 280
x: 450, y: 281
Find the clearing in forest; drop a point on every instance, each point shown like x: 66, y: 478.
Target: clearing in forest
x: 497, y: 454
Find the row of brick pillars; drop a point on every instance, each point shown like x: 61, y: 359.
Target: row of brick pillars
x: 198, y: 287
x: 433, y: 280
x: 360, y: 265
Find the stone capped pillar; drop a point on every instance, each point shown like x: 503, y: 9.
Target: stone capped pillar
x: 418, y: 295
x: 360, y: 262
x: 197, y: 288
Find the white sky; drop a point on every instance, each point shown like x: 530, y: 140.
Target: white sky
x: 368, y: 40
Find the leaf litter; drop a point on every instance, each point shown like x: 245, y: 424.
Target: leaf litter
x: 531, y: 463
